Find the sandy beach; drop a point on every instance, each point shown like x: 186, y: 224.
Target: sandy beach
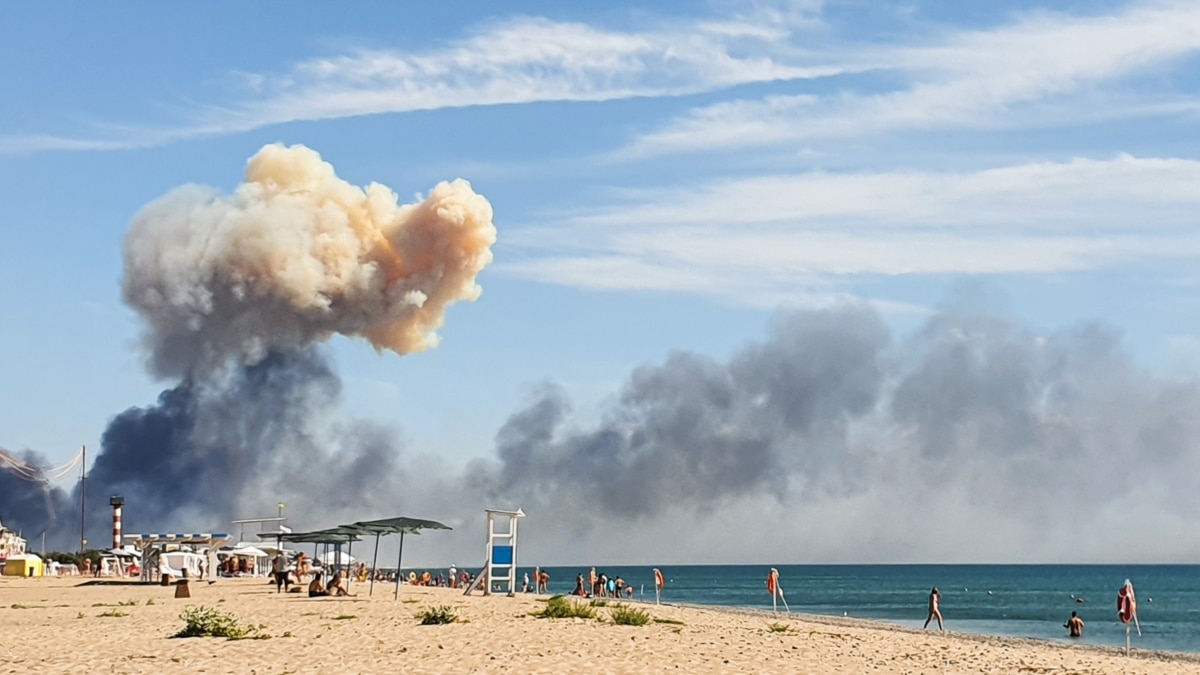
x: 57, y: 625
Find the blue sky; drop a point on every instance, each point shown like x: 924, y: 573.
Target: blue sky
x: 664, y: 178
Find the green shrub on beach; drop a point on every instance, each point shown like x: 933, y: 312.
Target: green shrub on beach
x: 559, y: 607
x: 779, y: 628
x: 113, y: 613
x: 433, y: 616
x: 624, y: 615
x: 673, y: 622
x: 598, y: 602
x: 206, y: 622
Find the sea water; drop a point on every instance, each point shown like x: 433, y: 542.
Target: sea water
x: 1011, y: 600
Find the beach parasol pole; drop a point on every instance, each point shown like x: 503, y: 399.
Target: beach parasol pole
x: 776, y: 591
x: 374, y: 560
x: 1127, y: 610
x: 399, y: 557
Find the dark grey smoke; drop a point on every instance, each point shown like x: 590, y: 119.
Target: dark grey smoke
x: 976, y: 439
x: 997, y: 437
x: 695, y: 432
x: 30, y: 506
x: 231, y: 446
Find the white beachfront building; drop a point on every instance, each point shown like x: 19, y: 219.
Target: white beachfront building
x: 10, y: 543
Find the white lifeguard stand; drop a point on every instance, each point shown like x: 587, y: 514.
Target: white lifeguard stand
x: 501, y: 550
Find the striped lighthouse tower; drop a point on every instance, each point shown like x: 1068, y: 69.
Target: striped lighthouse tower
x: 117, y: 503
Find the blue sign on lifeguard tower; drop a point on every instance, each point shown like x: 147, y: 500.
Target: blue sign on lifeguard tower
x: 502, y: 551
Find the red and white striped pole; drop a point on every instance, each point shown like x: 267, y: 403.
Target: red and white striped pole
x: 117, y: 503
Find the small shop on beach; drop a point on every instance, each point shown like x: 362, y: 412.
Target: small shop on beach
x: 24, y: 565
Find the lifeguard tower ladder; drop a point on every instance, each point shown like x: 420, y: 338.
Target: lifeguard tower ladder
x: 501, y: 567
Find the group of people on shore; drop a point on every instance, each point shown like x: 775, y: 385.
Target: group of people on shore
x: 601, y: 585
x: 286, y: 573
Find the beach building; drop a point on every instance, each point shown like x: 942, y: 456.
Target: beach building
x: 24, y: 565
x: 10, y: 543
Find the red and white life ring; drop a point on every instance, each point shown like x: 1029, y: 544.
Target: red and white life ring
x: 1126, y: 604
x: 659, y: 582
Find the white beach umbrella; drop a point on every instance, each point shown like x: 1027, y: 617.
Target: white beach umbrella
x: 251, y: 551
x: 336, y: 558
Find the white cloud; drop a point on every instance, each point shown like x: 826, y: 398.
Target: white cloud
x: 524, y: 60
x: 534, y: 59
x: 809, y: 236
x: 1013, y: 75
x: 1005, y: 77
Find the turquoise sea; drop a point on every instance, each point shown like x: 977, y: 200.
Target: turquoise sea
x: 1012, y: 600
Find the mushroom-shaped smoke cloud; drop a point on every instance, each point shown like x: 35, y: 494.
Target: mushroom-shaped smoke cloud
x: 295, y: 255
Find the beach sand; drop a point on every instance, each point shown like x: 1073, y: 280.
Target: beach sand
x: 56, y: 625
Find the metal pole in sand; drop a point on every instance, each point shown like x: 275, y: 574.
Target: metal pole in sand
x: 399, y: 557
x: 776, y: 591
x: 375, y: 559
x: 772, y: 585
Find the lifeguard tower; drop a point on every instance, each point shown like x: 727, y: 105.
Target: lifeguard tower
x: 501, y: 569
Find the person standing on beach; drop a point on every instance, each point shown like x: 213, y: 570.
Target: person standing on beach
x: 279, y: 569
x: 935, y: 608
x: 1074, y: 625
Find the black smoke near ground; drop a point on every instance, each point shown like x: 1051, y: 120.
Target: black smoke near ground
x: 210, y: 452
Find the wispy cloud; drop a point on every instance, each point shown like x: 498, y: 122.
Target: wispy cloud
x: 1011, y: 76
x: 521, y: 60
x: 806, y: 237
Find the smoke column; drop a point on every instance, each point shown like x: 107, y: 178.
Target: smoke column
x: 236, y: 291
x: 28, y: 501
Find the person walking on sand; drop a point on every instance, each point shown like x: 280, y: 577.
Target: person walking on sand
x: 1074, y: 625
x: 935, y: 608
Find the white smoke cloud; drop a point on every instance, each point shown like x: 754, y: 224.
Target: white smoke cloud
x: 295, y: 255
